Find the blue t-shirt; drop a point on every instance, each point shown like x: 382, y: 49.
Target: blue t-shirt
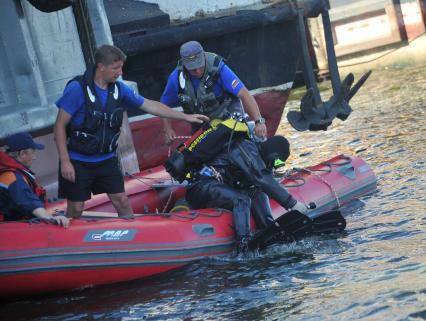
x: 227, y: 81
x: 73, y: 102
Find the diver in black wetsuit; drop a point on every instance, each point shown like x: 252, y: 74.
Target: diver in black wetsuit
x: 240, y: 179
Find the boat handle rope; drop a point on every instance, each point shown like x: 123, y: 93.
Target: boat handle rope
x: 327, y: 169
x: 154, y: 189
x: 328, y: 165
x: 140, y: 179
x: 168, y: 202
x: 191, y: 215
x: 294, y: 171
x: 347, y: 160
x: 38, y: 220
x: 169, y: 152
x: 323, y: 180
x: 195, y: 214
x: 292, y: 175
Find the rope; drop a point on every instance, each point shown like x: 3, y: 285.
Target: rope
x: 326, y: 183
x: 189, y: 216
x: 140, y: 179
x: 288, y: 174
x: 169, y: 152
x: 346, y: 160
x: 294, y: 171
x: 232, y: 134
x: 168, y: 201
x: 196, y: 214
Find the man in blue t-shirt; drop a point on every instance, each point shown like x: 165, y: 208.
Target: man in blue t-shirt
x: 202, y: 83
x: 87, y: 130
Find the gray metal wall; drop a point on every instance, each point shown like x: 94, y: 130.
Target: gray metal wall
x: 39, y: 53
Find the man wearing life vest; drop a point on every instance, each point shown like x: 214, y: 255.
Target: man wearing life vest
x: 202, y: 83
x: 20, y: 195
x: 237, y: 176
x: 87, y: 130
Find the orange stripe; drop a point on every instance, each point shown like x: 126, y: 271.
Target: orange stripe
x: 7, y: 178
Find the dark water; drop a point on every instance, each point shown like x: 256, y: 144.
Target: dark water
x: 375, y: 271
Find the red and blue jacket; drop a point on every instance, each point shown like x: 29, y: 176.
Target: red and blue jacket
x: 20, y: 194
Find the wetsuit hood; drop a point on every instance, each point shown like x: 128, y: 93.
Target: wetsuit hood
x: 275, y: 147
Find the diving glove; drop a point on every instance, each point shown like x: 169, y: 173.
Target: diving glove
x: 300, y: 207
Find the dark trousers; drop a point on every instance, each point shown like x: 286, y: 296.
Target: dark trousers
x: 208, y: 192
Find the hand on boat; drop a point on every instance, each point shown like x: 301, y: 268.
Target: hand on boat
x: 260, y: 130
x: 196, y: 118
x: 300, y: 207
x: 169, y: 135
x: 60, y: 220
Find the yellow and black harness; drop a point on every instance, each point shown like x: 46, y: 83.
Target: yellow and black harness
x: 204, y: 145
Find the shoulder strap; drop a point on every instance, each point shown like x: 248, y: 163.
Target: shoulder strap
x: 211, y: 73
x: 88, y: 86
x: 213, y: 62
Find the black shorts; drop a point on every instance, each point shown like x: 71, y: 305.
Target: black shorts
x: 96, y: 178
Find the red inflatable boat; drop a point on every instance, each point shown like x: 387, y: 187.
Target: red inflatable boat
x: 100, y: 249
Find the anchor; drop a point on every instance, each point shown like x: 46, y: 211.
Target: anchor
x: 315, y: 114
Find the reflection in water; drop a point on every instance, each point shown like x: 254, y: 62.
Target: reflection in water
x: 376, y: 270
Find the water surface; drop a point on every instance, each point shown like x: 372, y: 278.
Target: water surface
x: 376, y: 270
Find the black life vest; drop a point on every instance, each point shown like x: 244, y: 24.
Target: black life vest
x: 203, y: 100
x: 100, y: 130
x: 204, y: 145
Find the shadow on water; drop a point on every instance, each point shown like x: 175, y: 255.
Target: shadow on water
x: 375, y: 270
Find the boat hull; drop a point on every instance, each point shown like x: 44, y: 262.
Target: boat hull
x: 40, y: 258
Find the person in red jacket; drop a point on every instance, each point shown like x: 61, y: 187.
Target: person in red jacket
x: 21, y: 197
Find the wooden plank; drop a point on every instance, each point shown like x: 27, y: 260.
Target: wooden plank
x: 103, y: 214
x: 126, y: 149
x: 99, y: 214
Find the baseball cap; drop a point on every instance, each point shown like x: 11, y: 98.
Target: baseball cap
x: 192, y: 55
x: 21, y: 141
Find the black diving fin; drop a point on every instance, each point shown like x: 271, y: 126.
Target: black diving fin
x: 293, y: 225
x: 288, y: 227
x: 328, y: 223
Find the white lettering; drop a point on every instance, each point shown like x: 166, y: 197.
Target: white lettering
x: 110, y: 235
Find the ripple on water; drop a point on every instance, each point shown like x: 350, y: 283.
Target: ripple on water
x: 376, y: 270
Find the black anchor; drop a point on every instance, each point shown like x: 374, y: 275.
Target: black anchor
x: 315, y: 114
